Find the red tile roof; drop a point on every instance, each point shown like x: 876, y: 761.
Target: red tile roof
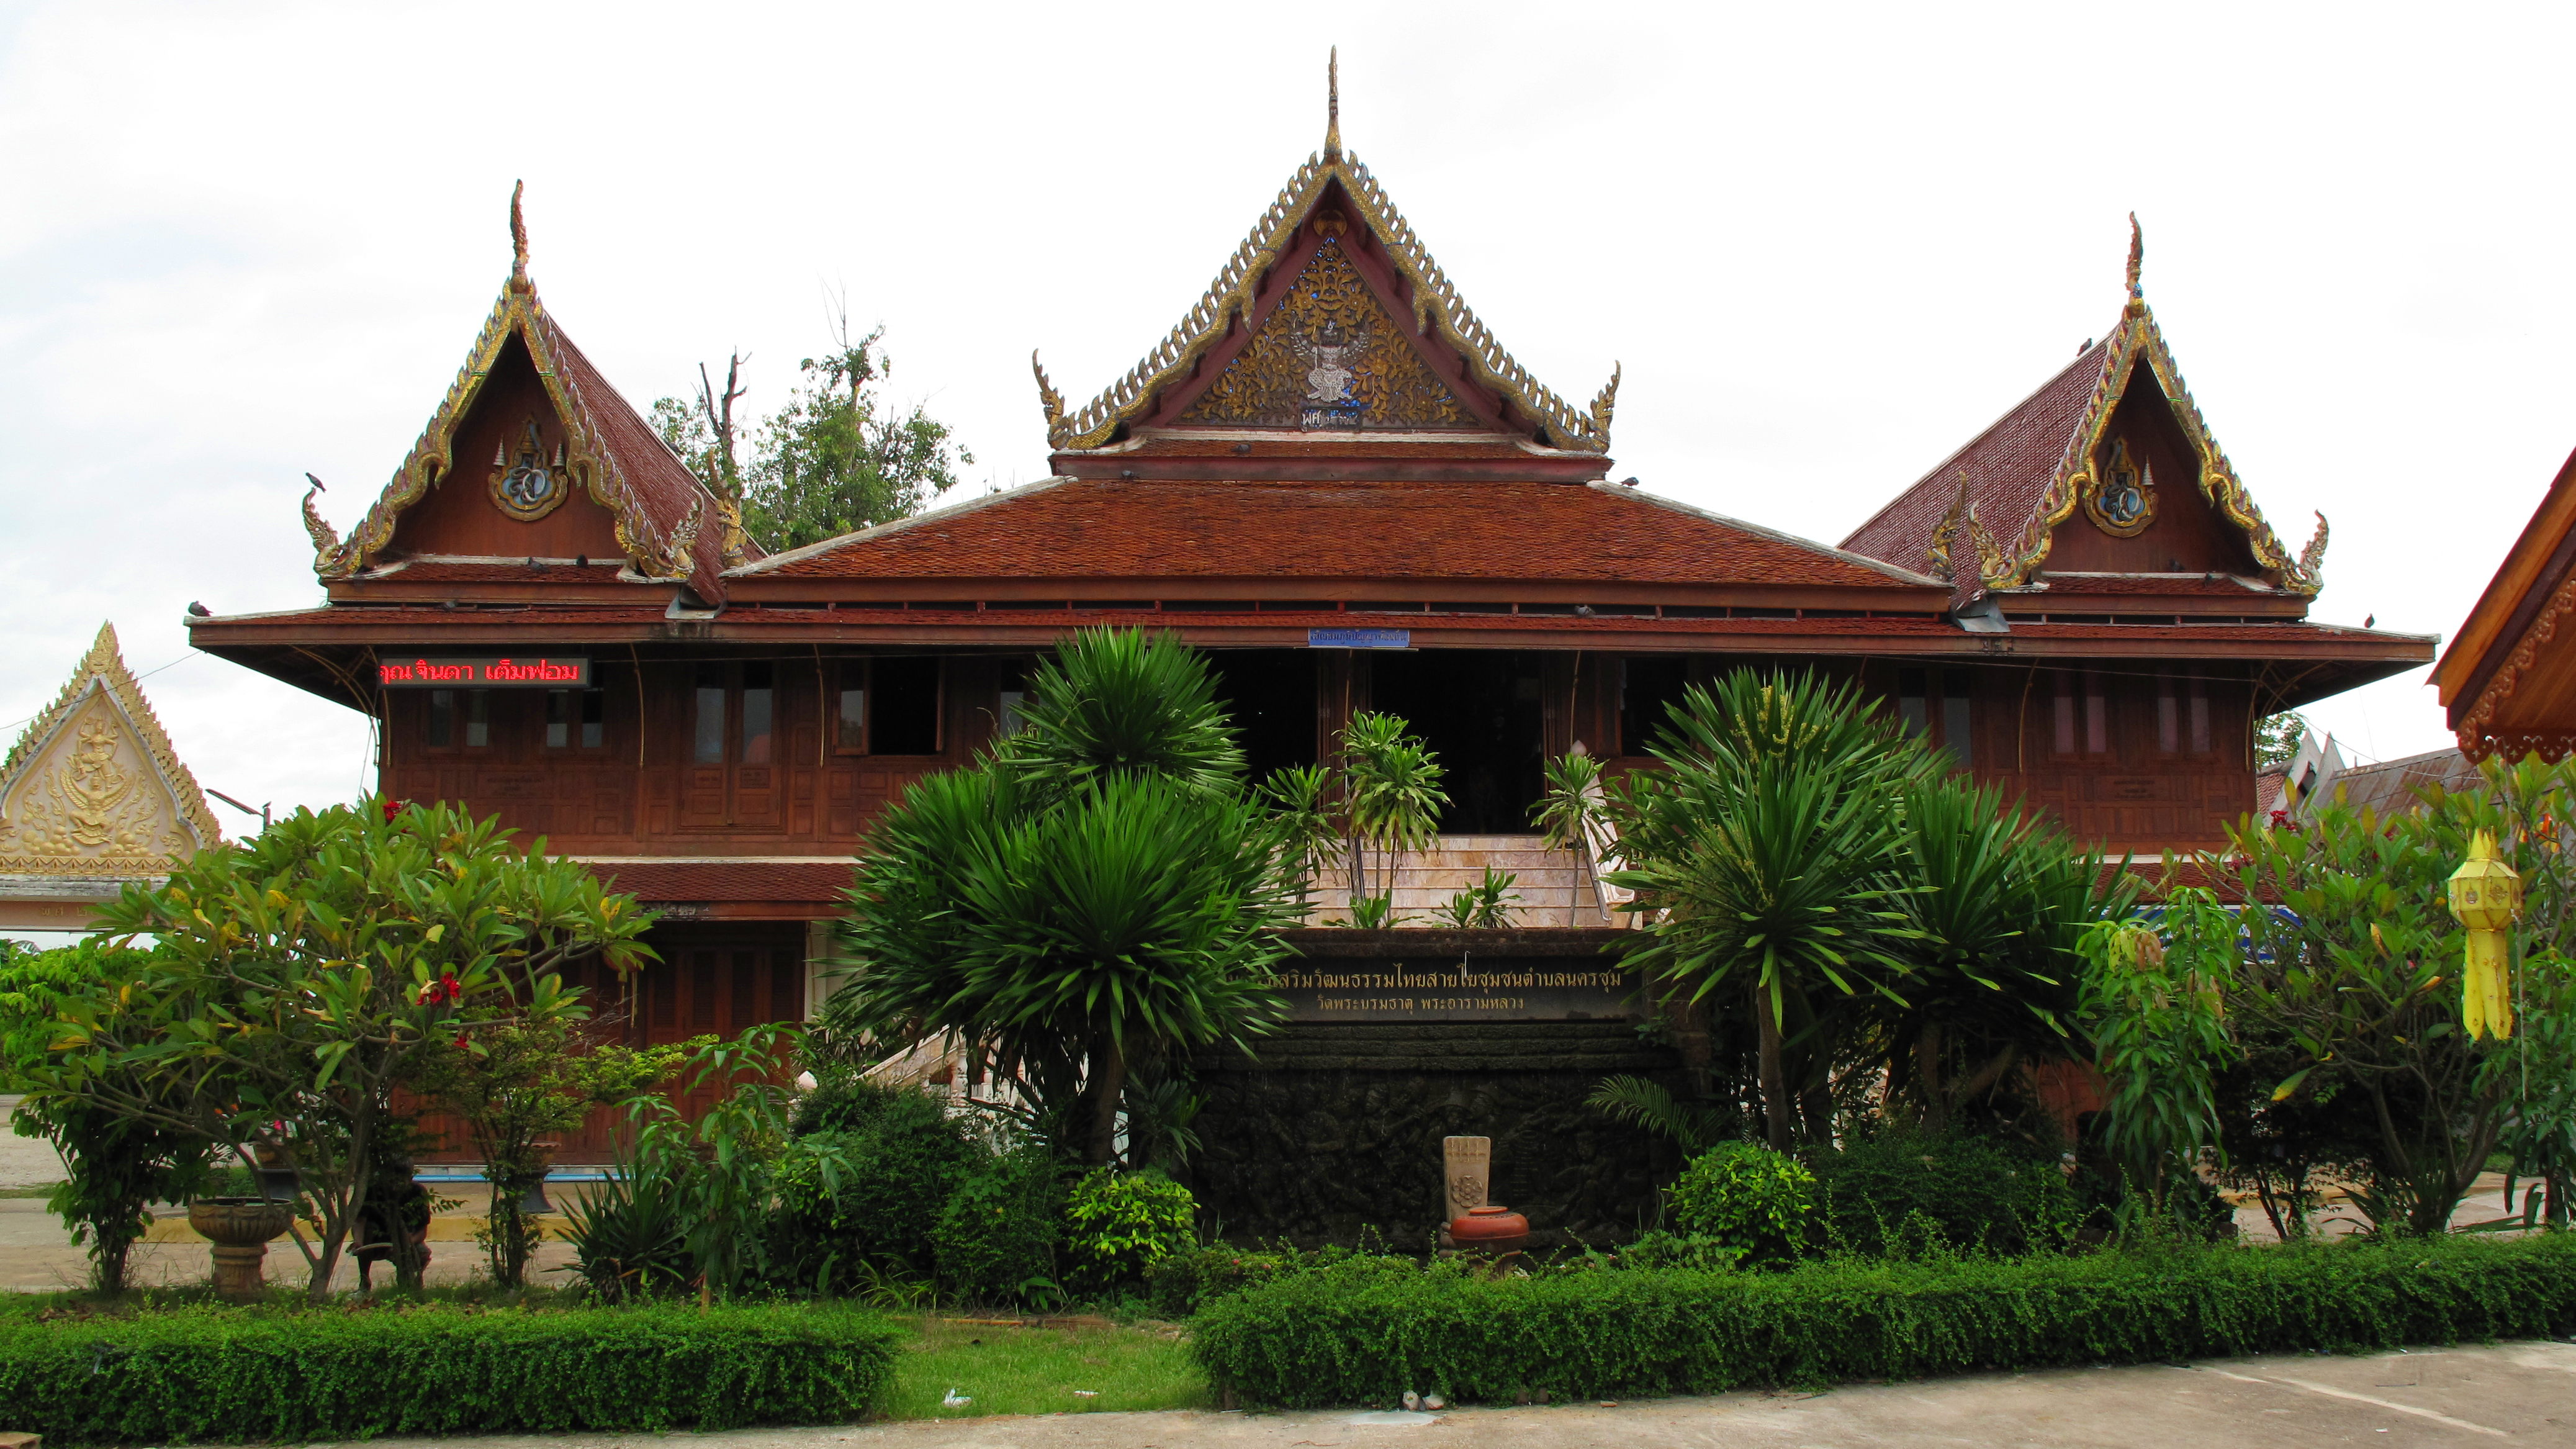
x: 1083, y: 529
x: 664, y: 485
x: 2008, y: 466
x: 725, y: 880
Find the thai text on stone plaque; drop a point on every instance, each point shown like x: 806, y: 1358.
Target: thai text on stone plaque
x: 1512, y: 988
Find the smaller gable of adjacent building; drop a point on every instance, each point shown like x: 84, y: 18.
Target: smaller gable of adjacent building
x: 2106, y: 473
x: 2508, y: 681
x: 534, y: 460
x: 92, y: 797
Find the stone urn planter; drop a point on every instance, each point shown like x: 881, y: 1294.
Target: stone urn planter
x: 1491, y: 1229
x: 241, y: 1229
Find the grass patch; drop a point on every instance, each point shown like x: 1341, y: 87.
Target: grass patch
x: 1036, y: 1370
x: 39, y: 1191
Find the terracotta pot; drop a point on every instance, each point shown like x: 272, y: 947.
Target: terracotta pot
x: 240, y: 1228
x: 1490, y: 1229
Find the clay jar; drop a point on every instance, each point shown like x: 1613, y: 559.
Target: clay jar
x: 1490, y: 1229
x: 240, y: 1228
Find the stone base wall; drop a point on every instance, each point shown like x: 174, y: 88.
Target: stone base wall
x: 1336, y: 1129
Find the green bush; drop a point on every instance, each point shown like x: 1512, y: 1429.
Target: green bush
x: 997, y: 1233
x: 229, y: 1374
x: 1188, y: 1281
x: 1118, y: 1225
x: 1308, y: 1340
x: 1905, y: 1191
x: 1746, y: 1196
x: 897, y: 1165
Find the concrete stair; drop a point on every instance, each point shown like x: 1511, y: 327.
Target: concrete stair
x: 1550, y: 886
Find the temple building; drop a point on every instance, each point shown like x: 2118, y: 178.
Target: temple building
x: 93, y: 799
x: 2508, y: 680
x: 1331, y: 475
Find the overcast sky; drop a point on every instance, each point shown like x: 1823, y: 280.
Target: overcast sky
x: 1829, y: 243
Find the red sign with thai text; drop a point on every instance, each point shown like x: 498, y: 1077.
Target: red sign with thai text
x: 546, y: 672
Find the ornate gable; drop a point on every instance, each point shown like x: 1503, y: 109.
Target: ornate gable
x: 2115, y: 437
x: 1370, y: 335
x: 92, y: 791
x: 584, y: 440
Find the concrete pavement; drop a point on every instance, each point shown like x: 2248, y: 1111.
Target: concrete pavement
x: 2523, y: 1393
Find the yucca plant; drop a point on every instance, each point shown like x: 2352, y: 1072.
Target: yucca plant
x: 1103, y: 884
x: 1571, y: 816
x: 1998, y: 898
x: 1769, y: 851
x: 1482, y: 905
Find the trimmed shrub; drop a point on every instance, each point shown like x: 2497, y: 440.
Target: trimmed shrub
x: 1903, y: 1191
x: 1745, y: 1196
x: 231, y: 1374
x: 997, y: 1234
x: 1309, y: 1340
x: 1188, y: 1281
x: 898, y: 1164
x: 1118, y: 1225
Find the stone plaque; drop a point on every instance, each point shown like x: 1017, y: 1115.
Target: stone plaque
x: 1506, y: 988
x: 1467, y: 1172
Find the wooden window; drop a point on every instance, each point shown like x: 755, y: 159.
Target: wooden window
x: 1933, y: 704
x: 759, y: 712
x: 576, y: 719
x: 460, y: 716
x: 786, y: 986
x: 1648, y: 688
x: 2182, y: 715
x: 887, y: 706
x: 707, y: 738
x: 2081, y: 710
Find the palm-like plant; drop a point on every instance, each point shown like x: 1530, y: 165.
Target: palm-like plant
x: 1103, y: 884
x: 1391, y: 795
x: 1999, y: 898
x: 1570, y: 814
x: 1769, y: 850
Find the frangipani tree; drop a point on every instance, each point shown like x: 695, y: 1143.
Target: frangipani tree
x: 301, y: 976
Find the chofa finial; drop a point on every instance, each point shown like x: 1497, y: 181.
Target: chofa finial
x: 2137, y: 257
x: 1333, y: 106
x: 518, y: 237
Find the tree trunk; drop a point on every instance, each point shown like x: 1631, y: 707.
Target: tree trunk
x: 1927, y: 1076
x: 1108, y: 1079
x: 1775, y: 1077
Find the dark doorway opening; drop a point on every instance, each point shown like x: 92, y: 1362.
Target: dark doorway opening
x: 1271, y: 695
x: 1479, y: 711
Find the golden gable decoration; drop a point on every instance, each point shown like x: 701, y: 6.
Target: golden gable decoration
x: 1328, y: 357
x: 2139, y: 343
x: 92, y: 791
x: 1438, y: 312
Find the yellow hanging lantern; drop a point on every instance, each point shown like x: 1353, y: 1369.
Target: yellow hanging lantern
x: 2486, y: 896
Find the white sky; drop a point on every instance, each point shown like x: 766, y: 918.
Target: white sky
x: 244, y: 241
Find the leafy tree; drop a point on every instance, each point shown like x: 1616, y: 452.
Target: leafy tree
x: 303, y: 975
x: 516, y: 1082
x: 839, y: 457
x: 114, y: 1165
x: 2353, y: 994
x: 1101, y: 887
x: 2277, y: 738
x: 2154, y: 1004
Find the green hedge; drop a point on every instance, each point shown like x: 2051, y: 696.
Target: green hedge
x: 232, y: 1374
x: 1315, y: 1339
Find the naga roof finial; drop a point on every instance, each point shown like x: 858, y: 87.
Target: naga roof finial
x: 518, y: 239
x: 2137, y: 261
x: 1333, y: 106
